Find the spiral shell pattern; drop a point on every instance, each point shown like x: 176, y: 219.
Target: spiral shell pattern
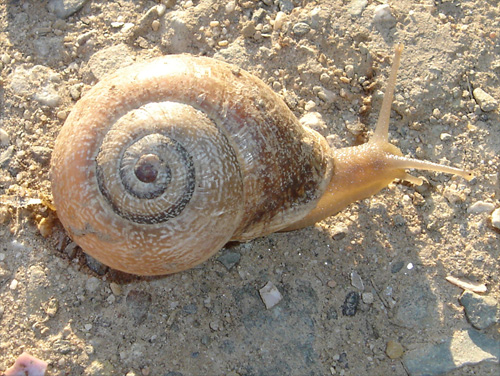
x: 162, y: 163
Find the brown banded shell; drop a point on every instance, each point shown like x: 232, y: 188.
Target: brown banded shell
x: 162, y: 163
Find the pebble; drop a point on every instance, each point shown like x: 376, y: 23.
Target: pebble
x: 394, y: 350
x: 481, y: 207
x: 270, y: 295
x: 138, y: 303
x: 92, y: 284
x: 383, y: 16
x: 229, y: 259
x: 356, y: 281
x: 313, y: 120
x: 4, y: 138
x: 367, y: 298
x: 465, y: 347
x: 116, y: 289
x: 397, y: 266
x: 484, y: 100
x: 301, y: 29
x: 65, y: 8
x: 109, y: 60
x: 248, y: 29
x: 13, y: 284
x: 286, y: 5
x: 41, y: 154
x: 38, y: 82
x: 481, y: 311
x: 356, y: 7
x: 466, y: 284
x: 279, y: 20
x: 495, y: 218
x: 351, y: 302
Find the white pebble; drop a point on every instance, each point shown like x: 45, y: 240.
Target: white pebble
x: 367, y: 298
x: 383, y: 14
x: 484, y: 100
x: 279, y: 20
x: 4, y: 138
x: 230, y: 6
x: 481, y: 207
x: 313, y: 120
x: 356, y: 281
x: 13, y: 284
x: 495, y: 219
x: 270, y: 295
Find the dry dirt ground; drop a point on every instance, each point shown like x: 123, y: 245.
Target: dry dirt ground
x: 327, y: 56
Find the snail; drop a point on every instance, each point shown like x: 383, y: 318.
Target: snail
x: 162, y: 163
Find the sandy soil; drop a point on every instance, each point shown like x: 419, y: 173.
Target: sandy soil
x: 84, y: 319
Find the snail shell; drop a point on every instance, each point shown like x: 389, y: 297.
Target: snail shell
x: 162, y: 163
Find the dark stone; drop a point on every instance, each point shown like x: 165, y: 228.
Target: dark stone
x: 351, y: 303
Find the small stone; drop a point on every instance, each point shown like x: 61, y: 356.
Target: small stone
x: 230, y: 6
x: 138, y: 303
x: 45, y: 226
x: 481, y: 311
x: 445, y: 136
x: 286, y: 5
x: 155, y: 25
x: 356, y: 7
x: 301, y: 29
x: 481, y: 207
x: 383, y: 16
x: 51, y: 307
x: 190, y: 309
x: 466, y: 284
x: 313, y: 120
x: 229, y: 259
x: 214, y: 325
x: 394, y: 350
x: 484, y: 100
x: 13, y: 284
x: 397, y: 266
x: 116, y: 289
x: 331, y: 283
x: 495, y: 218
x: 270, y: 295
x: 4, y: 138
x: 92, y: 284
x: 339, y: 232
x: 248, y: 29
x: 356, y: 281
x: 367, y: 298
x: 279, y: 21
x: 65, y: 8
x: 351, y: 302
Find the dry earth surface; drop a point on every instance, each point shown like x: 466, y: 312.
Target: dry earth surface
x: 331, y: 57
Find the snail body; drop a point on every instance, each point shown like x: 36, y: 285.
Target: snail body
x: 162, y: 163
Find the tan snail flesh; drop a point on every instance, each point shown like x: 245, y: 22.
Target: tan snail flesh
x: 164, y: 162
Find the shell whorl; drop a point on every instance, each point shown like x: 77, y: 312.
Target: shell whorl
x: 162, y: 163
